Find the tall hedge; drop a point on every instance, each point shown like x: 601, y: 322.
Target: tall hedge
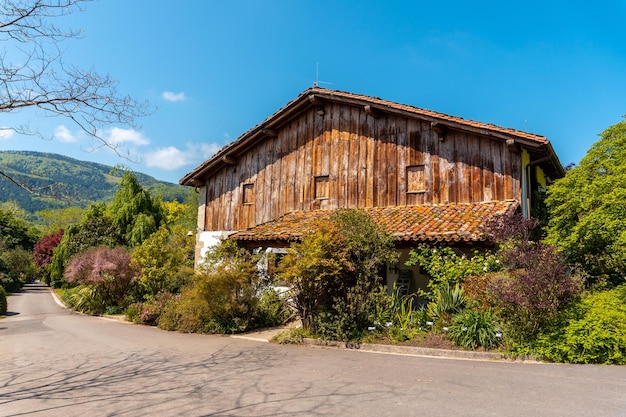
x: 3, y: 301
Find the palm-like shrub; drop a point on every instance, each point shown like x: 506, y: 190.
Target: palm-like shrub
x: 447, y: 301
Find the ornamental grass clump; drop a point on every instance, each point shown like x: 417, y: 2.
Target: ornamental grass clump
x: 473, y: 329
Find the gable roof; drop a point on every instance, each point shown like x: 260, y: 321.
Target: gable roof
x: 316, y: 96
x: 449, y: 223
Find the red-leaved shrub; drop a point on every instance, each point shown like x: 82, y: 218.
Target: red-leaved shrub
x: 43, y: 250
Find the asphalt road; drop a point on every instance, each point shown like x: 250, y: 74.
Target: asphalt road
x: 57, y: 363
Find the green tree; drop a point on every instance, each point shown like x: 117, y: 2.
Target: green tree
x: 16, y: 231
x: 20, y: 265
x: 587, y: 210
x: 165, y: 260
x: 134, y: 211
x: 95, y: 229
x: 54, y: 219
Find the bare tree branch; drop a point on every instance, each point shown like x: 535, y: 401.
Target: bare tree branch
x: 34, y: 75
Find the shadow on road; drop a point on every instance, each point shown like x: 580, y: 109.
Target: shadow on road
x: 135, y: 384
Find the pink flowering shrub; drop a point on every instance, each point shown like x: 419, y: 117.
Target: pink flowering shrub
x: 107, y: 270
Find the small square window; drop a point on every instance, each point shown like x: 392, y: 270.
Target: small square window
x: 248, y: 194
x: 416, y: 179
x: 322, y: 187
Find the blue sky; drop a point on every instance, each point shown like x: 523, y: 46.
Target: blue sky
x: 215, y: 69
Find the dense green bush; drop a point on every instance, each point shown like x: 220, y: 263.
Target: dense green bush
x: 165, y: 261
x: 334, y: 272
x: 273, y: 309
x: 20, y: 266
x: 447, y: 267
x: 590, y: 331
x: 3, y: 301
x: 149, y: 311
x: 222, y: 298
x: 472, y: 329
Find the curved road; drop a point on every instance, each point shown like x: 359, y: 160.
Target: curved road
x: 57, y: 363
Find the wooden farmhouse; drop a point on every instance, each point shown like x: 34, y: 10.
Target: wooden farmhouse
x: 426, y: 176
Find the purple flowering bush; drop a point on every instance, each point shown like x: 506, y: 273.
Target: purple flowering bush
x: 107, y: 271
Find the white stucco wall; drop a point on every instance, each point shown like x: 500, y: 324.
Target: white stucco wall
x: 207, y: 240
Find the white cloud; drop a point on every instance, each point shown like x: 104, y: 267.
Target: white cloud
x: 119, y: 137
x: 171, y: 158
x: 64, y: 135
x: 6, y: 133
x: 174, y: 97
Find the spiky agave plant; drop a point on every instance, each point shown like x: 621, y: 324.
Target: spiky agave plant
x: 447, y: 302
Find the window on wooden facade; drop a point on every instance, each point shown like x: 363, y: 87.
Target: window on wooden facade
x: 416, y: 179
x: 248, y: 194
x: 322, y: 187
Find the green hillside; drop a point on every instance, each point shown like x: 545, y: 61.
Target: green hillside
x: 71, y: 182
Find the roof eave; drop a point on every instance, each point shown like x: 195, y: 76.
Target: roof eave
x: 316, y: 96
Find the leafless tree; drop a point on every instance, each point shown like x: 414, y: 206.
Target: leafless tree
x: 34, y: 75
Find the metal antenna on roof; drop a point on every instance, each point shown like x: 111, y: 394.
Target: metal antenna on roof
x: 317, y: 76
x: 526, y: 125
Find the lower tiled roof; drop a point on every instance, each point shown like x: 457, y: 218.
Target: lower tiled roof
x: 450, y: 223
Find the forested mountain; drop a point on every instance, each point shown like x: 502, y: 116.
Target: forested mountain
x: 73, y: 183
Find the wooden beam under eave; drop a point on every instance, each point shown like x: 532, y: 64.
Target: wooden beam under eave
x: 228, y: 160
x: 439, y: 129
x: 512, y: 145
x: 270, y: 132
x: 314, y: 100
x: 371, y: 111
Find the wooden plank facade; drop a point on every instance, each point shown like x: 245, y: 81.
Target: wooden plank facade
x: 328, y: 150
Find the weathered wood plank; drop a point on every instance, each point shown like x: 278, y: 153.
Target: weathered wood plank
x: 431, y: 163
x: 391, y: 199
x: 307, y: 169
x: 364, y: 139
x: 344, y: 157
x: 290, y: 167
x: 335, y: 157
x: 401, y: 161
x: 352, y: 185
x: 476, y: 170
x: 380, y: 163
x: 463, y: 158
x: 487, y: 169
x: 370, y: 155
x: 498, y: 188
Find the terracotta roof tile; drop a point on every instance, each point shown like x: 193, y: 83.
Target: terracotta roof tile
x: 452, y: 223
